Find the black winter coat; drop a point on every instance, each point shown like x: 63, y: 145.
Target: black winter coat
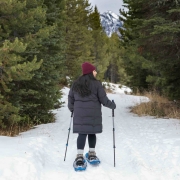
x: 87, y: 117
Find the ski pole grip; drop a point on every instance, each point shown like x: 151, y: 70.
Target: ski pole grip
x: 72, y: 114
x: 113, y: 110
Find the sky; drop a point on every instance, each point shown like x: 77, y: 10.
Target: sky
x: 105, y: 5
x: 147, y: 148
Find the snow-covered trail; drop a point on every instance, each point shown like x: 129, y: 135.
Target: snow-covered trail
x: 146, y: 148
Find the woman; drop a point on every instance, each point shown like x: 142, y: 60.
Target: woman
x: 85, y: 98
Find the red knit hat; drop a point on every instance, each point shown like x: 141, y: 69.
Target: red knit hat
x: 87, y: 68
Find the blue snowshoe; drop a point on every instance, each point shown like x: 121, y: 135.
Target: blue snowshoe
x: 92, y: 158
x: 80, y: 163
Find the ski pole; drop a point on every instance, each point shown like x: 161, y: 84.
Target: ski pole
x: 113, y: 133
x: 68, y: 136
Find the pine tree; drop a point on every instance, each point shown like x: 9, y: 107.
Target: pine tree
x: 153, y: 29
x: 52, y: 70
x: 161, y: 41
x: 78, y: 36
x: 27, y: 21
x: 133, y: 59
x: 100, y: 46
x: 14, y: 70
x: 116, y: 71
x: 17, y: 67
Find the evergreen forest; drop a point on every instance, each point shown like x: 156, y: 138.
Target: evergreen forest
x: 43, y: 44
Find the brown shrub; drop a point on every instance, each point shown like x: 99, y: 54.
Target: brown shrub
x: 158, y: 106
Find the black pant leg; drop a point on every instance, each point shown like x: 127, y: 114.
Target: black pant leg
x: 92, y: 140
x: 81, y: 141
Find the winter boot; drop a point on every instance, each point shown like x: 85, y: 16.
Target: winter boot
x: 92, y: 158
x: 80, y: 163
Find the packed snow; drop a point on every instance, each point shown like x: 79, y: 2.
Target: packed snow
x: 146, y: 148
x: 117, y: 88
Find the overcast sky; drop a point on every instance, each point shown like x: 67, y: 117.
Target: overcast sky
x: 105, y: 5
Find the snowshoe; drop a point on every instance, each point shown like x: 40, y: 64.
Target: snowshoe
x: 80, y: 163
x: 92, y: 158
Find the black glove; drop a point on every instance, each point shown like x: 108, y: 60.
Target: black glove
x: 114, y: 105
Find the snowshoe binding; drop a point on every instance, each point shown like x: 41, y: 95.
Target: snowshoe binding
x: 80, y: 163
x: 92, y: 158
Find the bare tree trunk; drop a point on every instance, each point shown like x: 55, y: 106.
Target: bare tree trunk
x: 113, y: 74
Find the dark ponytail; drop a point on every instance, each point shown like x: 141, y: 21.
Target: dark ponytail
x: 82, y: 84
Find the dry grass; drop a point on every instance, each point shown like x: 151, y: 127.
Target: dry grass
x: 158, y: 106
x: 107, y: 88
x: 108, y: 91
x: 14, y: 130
